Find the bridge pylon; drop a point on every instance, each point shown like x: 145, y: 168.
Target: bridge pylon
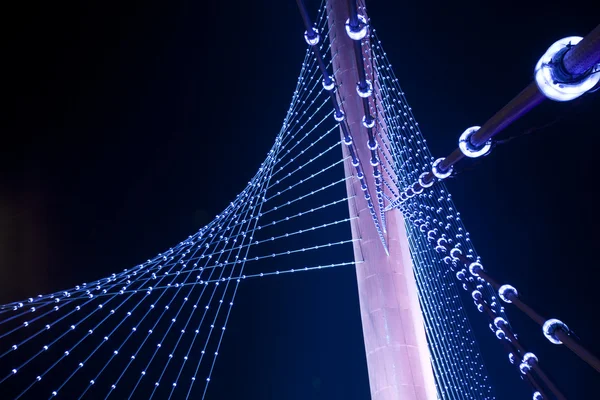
x: 397, y: 353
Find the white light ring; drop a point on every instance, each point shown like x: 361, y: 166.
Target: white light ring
x: 348, y: 140
x: 368, y: 122
x: 368, y: 92
x: 537, y: 396
x: 329, y: 87
x: 545, y: 77
x: 417, y: 190
x: 530, y: 358
x: 524, y: 368
x: 505, y: 290
x: 454, y: 253
x: 460, y: 275
x: 476, y: 294
x: 339, y: 117
x: 436, y: 171
x: 363, y: 28
x: 312, y: 41
x: 468, y: 149
x: 550, y: 326
x: 499, y: 322
x: 422, y: 180
x: 474, y: 268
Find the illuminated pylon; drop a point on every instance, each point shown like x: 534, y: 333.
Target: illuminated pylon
x: 396, y: 346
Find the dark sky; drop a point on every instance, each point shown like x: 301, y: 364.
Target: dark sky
x: 129, y: 125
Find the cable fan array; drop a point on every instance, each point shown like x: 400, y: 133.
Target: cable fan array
x: 155, y: 330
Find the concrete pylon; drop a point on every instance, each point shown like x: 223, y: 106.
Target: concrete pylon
x: 398, y: 357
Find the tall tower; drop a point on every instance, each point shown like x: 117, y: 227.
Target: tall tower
x: 396, y: 346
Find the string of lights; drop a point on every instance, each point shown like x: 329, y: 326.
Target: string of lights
x: 100, y: 323
x: 155, y: 330
x: 410, y: 155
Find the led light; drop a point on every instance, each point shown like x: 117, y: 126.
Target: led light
x: 530, y: 359
x: 422, y: 180
x: 435, y: 169
x: 556, y: 83
x: 475, y: 268
x: 364, y: 92
x: 312, y: 37
x: 506, y: 291
x: 359, y: 32
x: 328, y: 83
x: 368, y: 122
x: 499, y: 322
x: 549, y: 328
x: 431, y: 235
x: 454, y: 253
x: 466, y: 146
x: 339, y: 115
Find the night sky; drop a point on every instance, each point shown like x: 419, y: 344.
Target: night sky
x: 129, y: 125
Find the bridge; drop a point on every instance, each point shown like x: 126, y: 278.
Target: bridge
x: 350, y: 154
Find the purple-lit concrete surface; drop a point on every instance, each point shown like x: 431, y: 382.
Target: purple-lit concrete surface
x: 396, y: 347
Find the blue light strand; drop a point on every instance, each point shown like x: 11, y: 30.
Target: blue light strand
x: 174, y: 262
x: 285, y: 219
x: 256, y: 189
x: 300, y: 168
x: 194, y: 308
x: 473, y: 284
x: 90, y: 332
x: 396, y: 137
x: 222, y: 271
x: 313, y: 143
x: 390, y: 125
x: 232, y: 300
x: 158, y: 320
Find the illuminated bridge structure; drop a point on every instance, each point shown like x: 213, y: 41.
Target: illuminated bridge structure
x: 350, y: 155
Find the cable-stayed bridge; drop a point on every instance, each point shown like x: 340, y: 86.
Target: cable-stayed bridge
x: 171, y: 312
